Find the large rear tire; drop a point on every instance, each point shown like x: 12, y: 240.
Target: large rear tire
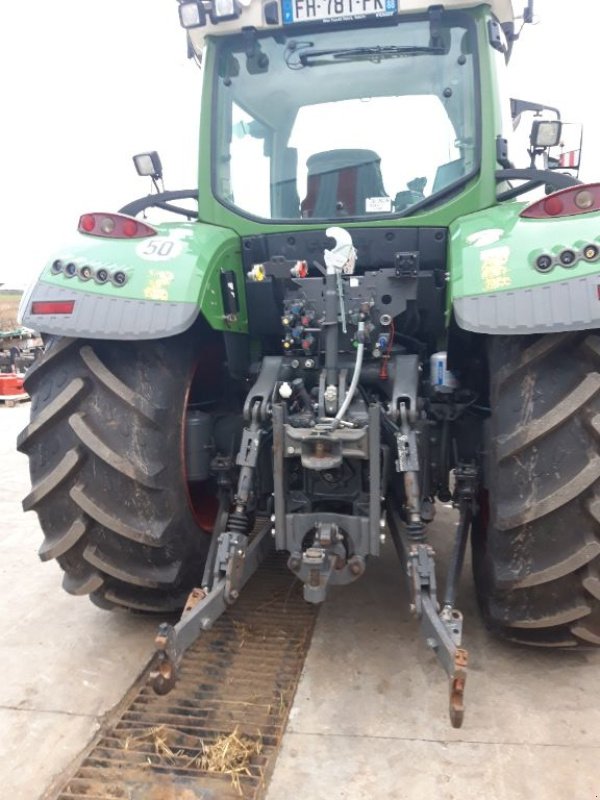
x: 536, y: 543
x: 105, y: 447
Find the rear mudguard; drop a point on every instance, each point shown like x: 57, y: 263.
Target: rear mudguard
x: 495, y: 285
x: 170, y: 279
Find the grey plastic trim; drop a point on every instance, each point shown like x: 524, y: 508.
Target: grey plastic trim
x: 101, y: 317
x: 568, y: 305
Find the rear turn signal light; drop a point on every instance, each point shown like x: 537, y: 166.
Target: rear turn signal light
x: 52, y: 306
x: 566, y: 203
x: 114, y: 226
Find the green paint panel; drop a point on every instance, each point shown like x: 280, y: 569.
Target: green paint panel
x: 182, y: 263
x: 495, y: 250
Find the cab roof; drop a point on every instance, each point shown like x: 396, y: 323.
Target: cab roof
x: 267, y: 14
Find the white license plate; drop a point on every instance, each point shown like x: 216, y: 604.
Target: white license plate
x: 323, y: 10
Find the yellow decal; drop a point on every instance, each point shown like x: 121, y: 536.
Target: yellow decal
x: 494, y: 269
x: 158, y: 284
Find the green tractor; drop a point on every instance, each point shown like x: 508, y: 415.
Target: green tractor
x: 362, y: 314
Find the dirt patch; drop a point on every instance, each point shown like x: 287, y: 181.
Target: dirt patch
x: 9, y: 305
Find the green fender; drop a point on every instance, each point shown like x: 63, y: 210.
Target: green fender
x: 170, y: 279
x: 495, y: 286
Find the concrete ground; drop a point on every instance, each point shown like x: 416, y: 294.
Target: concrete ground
x: 65, y: 663
x: 369, y: 720
x: 370, y: 715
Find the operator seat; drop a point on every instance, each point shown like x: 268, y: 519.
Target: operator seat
x: 339, y: 183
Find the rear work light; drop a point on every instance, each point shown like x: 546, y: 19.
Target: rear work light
x: 114, y: 226
x: 566, y: 203
x: 52, y: 306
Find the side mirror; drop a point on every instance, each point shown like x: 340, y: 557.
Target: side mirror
x: 148, y: 165
x: 545, y: 133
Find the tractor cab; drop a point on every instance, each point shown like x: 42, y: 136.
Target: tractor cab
x: 353, y: 110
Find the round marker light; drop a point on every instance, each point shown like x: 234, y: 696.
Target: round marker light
x: 56, y: 267
x: 119, y: 278
x: 130, y: 227
x: 553, y: 206
x: 584, y: 199
x: 543, y: 263
x: 567, y: 258
x: 107, y: 225
x: 85, y: 273
x: 101, y: 275
x: 70, y: 269
x: 591, y: 252
x: 87, y: 223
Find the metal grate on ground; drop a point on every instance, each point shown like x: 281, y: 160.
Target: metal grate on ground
x: 236, y: 686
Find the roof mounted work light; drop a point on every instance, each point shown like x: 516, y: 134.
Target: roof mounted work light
x: 224, y: 9
x: 192, y: 14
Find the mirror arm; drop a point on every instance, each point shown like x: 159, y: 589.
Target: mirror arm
x: 518, y: 106
x: 187, y: 212
x: 528, y: 12
x: 534, y: 178
x: 510, y: 194
x: 136, y: 206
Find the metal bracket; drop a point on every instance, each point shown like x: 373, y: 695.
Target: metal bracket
x: 229, y: 561
x: 262, y: 391
x: 442, y: 630
x: 319, y: 565
x: 204, y: 608
x: 407, y: 264
x: 465, y: 498
x: 420, y: 569
x: 451, y: 656
x: 405, y: 387
x: 248, y: 452
x: 406, y: 442
x: 408, y: 464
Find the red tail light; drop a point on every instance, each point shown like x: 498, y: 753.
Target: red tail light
x: 114, y: 226
x: 52, y: 306
x: 569, y: 202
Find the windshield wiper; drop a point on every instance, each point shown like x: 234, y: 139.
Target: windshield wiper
x: 375, y: 54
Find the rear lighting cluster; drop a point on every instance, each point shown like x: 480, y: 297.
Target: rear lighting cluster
x: 114, y: 226
x: 85, y: 272
x: 52, y: 306
x: 566, y: 203
x: 568, y: 257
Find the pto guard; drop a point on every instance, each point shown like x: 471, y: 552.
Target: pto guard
x: 170, y: 278
x: 496, y: 287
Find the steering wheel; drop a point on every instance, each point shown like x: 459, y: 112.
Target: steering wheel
x: 533, y: 179
x: 163, y: 200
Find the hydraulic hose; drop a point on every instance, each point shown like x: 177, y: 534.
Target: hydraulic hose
x: 355, y: 376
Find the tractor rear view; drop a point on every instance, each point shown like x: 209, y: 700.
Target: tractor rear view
x: 364, y: 315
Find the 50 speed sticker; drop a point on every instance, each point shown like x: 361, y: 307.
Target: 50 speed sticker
x: 159, y: 248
